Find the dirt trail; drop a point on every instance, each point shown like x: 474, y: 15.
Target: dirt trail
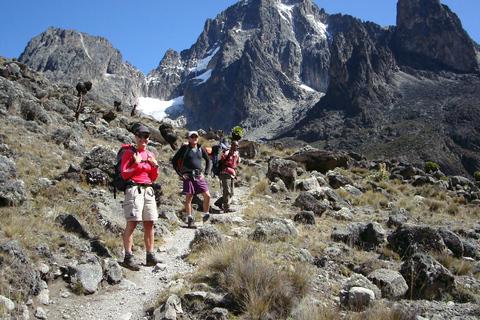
x: 137, y: 292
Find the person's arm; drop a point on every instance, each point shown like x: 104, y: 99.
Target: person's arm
x: 128, y: 164
x: 153, y: 163
x: 208, y: 161
x: 176, y: 157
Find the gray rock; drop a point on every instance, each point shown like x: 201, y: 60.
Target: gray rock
x: 307, y: 184
x: 427, y: 278
x: 337, y: 180
x: 305, y: 217
x: 452, y: 241
x: 307, y: 202
x: 274, y: 230
x: 208, y: 235
x: 390, y: 282
x: 8, y: 169
x: 169, y: 310
x: 88, y: 273
x: 6, y: 303
x: 357, y: 298
x: 286, y: 170
x: 13, y: 193
x: 71, y: 138
x: 409, y: 239
x: 101, y: 158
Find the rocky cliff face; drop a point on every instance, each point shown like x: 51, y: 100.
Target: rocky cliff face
x: 70, y: 57
x: 258, y: 64
x: 429, y: 35
x: 407, y: 91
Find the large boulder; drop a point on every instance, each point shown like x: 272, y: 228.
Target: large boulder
x: 13, y: 193
x: 409, y: 239
x: 319, y: 160
x: 390, y: 282
x: 274, y: 230
x: 307, y: 202
x: 286, y: 170
x: 427, y: 278
x: 248, y: 149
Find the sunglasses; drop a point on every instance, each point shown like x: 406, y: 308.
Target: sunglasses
x: 144, y: 136
x: 193, y: 137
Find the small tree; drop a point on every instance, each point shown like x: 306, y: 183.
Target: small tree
x: 431, y: 167
x: 82, y: 89
x: 236, y: 133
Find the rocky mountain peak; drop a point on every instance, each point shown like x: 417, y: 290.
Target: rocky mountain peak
x: 71, y: 57
x: 430, y: 34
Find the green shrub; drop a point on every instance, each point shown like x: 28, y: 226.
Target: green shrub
x: 477, y: 175
x: 382, y: 174
x: 431, y: 167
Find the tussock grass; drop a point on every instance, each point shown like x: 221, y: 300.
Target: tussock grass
x: 259, y: 287
x: 261, y: 188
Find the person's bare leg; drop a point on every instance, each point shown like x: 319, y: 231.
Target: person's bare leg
x: 128, y: 235
x: 188, y: 204
x: 149, y: 235
x: 206, y: 201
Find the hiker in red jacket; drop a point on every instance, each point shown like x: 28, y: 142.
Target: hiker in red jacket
x: 140, y: 169
x: 229, y: 162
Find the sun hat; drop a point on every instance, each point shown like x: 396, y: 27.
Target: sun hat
x: 191, y: 133
x: 142, y: 129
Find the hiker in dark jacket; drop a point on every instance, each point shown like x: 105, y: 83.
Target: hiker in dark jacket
x: 229, y: 162
x: 191, y: 173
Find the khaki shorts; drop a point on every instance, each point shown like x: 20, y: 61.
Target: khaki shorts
x: 139, y: 204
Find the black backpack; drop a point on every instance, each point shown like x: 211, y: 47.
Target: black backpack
x: 217, y: 164
x: 118, y: 182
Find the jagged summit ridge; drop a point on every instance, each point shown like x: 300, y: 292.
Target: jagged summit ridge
x: 254, y: 51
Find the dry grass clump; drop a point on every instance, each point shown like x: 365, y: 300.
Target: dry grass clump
x: 459, y: 267
x: 384, y: 311
x: 260, y: 288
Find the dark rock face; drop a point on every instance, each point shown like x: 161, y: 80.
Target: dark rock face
x: 254, y: 54
x: 433, y: 37
x: 68, y: 56
x: 396, y: 91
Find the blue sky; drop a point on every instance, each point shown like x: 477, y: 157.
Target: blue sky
x: 144, y: 30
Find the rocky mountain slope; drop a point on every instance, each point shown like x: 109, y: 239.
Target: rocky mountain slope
x: 316, y: 235
x: 70, y: 57
x: 406, y: 91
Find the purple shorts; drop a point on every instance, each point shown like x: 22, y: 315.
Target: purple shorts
x: 197, y: 186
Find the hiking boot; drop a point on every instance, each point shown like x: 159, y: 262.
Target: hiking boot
x: 206, y: 216
x: 152, y: 260
x: 190, y: 221
x: 229, y: 210
x: 129, y: 263
x: 219, y: 203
